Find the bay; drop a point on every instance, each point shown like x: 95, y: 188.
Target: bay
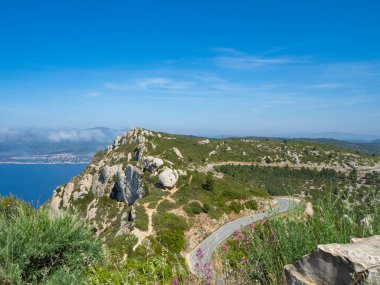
x: 35, y: 183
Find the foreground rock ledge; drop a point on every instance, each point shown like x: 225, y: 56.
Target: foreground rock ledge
x: 355, y: 263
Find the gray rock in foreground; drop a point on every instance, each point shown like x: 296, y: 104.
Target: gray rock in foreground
x: 355, y: 263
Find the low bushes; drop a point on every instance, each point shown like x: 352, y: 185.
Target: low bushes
x: 170, y: 230
x: 36, y: 249
x: 194, y: 208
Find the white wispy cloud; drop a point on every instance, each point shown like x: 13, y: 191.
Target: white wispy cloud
x: 151, y: 83
x: 250, y: 62
x: 323, y: 86
x: 6, y: 133
x: 93, y: 94
x: 75, y: 135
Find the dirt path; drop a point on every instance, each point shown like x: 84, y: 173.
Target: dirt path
x: 316, y: 166
x: 141, y: 235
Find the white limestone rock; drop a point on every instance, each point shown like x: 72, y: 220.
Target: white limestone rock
x: 181, y: 172
x: 178, y: 153
x: 205, y: 141
x: 345, y: 264
x: 128, y: 188
x: 152, y: 163
x: 168, y: 178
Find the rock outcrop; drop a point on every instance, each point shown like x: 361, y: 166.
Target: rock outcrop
x: 168, y: 178
x: 345, y: 264
x: 152, y: 163
x: 127, y: 188
x: 178, y: 153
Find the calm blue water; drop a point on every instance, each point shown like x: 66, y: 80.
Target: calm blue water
x: 35, y: 182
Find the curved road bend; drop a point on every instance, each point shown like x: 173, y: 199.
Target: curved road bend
x: 209, y: 245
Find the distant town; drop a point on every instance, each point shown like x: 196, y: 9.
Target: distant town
x: 61, y: 158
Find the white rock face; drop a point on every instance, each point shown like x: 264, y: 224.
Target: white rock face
x: 106, y: 172
x: 181, y: 172
x: 67, y: 194
x: 178, y: 153
x: 346, y: 264
x: 115, y: 145
x: 295, y: 158
x: 54, y: 205
x: 128, y: 188
x: 168, y: 178
x: 152, y: 163
x: 205, y: 141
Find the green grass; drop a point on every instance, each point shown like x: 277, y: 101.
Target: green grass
x: 142, y: 218
x: 36, y: 249
x: 165, y: 206
x: 259, y: 254
x: 150, y: 265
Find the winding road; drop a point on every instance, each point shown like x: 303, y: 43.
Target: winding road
x: 209, y: 245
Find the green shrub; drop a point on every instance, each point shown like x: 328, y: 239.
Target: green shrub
x: 10, y: 206
x: 194, y: 208
x: 172, y: 240
x: 36, y: 249
x: 170, y: 230
x: 209, y: 182
x: 206, y: 207
x: 252, y: 204
x: 235, y: 207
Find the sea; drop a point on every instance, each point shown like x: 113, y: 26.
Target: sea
x: 35, y: 183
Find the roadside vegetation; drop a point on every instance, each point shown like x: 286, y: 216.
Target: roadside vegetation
x: 258, y: 253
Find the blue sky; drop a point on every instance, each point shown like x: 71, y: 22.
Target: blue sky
x: 201, y: 67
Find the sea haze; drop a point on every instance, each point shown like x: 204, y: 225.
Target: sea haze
x: 35, y: 183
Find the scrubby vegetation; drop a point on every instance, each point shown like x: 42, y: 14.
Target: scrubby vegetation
x: 170, y: 231
x: 258, y: 253
x: 144, y: 241
x: 286, y: 180
x: 148, y: 265
x: 36, y: 249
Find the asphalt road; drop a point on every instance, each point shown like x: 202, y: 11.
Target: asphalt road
x: 209, y: 245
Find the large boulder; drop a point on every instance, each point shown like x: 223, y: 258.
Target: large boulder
x: 168, y: 178
x: 345, y: 264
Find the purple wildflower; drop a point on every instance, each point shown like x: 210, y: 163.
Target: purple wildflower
x: 225, y: 248
x: 200, y: 254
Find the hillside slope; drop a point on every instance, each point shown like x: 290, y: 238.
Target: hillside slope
x: 175, y: 190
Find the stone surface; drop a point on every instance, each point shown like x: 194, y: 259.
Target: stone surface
x: 205, y: 141
x: 152, y: 163
x: 345, y: 264
x: 168, y: 178
x: 178, y: 153
x: 127, y: 187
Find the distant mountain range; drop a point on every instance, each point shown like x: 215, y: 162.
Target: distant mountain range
x: 79, y: 146
x: 53, y: 146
